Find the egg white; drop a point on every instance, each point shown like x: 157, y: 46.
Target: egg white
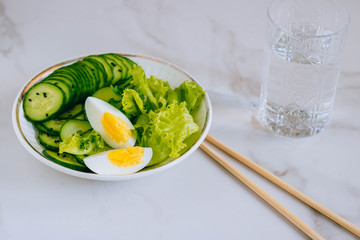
x: 95, y: 109
x: 100, y: 164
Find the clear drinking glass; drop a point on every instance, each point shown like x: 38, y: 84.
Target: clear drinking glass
x: 303, y: 52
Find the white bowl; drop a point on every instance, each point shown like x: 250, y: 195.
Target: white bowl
x: 26, y: 132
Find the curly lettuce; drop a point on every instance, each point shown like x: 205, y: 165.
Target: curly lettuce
x: 142, y: 87
x: 165, y: 131
x: 85, y: 144
x: 132, y: 104
x: 191, y: 93
x: 162, y: 116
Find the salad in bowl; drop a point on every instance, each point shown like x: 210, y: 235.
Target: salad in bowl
x: 112, y: 116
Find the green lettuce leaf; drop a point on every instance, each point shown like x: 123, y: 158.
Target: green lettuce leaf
x: 121, y: 86
x: 157, y: 92
x: 132, y: 104
x: 159, y: 88
x: 191, y: 93
x: 163, y: 116
x: 165, y: 131
x: 141, y: 86
x: 172, y: 97
x: 83, y: 144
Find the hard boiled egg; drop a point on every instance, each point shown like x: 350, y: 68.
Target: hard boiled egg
x: 120, y: 161
x: 113, y: 126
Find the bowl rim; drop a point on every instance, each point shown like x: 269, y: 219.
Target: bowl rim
x: 21, y: 137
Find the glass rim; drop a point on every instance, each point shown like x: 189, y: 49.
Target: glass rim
x: 344, y: 28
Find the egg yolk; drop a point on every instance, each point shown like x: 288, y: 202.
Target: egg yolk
x: 116, y: 128
x: 126, y: 157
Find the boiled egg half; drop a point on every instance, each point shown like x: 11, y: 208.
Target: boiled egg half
x: 120, y: 161
x: 113, y: 126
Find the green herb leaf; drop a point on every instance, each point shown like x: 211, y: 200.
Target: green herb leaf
x: 83, y: 144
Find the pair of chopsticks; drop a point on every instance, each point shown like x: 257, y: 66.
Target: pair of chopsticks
x: 280, y: 183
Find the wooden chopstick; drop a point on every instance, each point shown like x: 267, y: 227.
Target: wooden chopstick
x: 287, y: 187
x: 261, y: 193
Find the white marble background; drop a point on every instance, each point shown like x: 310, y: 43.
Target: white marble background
x: 221, y: 44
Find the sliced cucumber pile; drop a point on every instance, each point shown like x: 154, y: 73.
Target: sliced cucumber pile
x: 70, y: 85
x: 73, y: 126
x: 53, y: 126
x: 48, y: 141
x: 52, y: 132
x: 106, y: 94
x: 66, y: 160
x: 72, y: 120
x: 56, y: 104
x: 72, y: 112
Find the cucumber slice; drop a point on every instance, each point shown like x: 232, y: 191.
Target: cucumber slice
x: 80, y: 158
x: 123, y: 67
x: 66, y: 160
x: 101, y: 71
x: 132, y: 63
x: 117, y: 68
x: 81, y: 116
x: 128, y: 65
x: 106, y: 94
x: 67, y: 79
x: 127, y: 61
x: 53, y: 126
x: 86, y: 80
x: 48, y: 141
x: 87, y: 133
x: 73, y: 126
x: 67, y: 74
x: 72, y: 112
x: 41, y: 128
x: 71, y: 84
x: 43, y: 101
x: 76, y: 77
x: 64, y: 86
x: 85, y: 76
x: 92, y: 70
x: 106, y: 65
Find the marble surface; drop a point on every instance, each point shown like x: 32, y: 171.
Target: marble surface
x: 221, y: 44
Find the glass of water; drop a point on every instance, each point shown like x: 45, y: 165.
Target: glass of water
x: 303, y: 52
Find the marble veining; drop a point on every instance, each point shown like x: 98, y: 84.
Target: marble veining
x: 9, y: 36
x: 284, y: 172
